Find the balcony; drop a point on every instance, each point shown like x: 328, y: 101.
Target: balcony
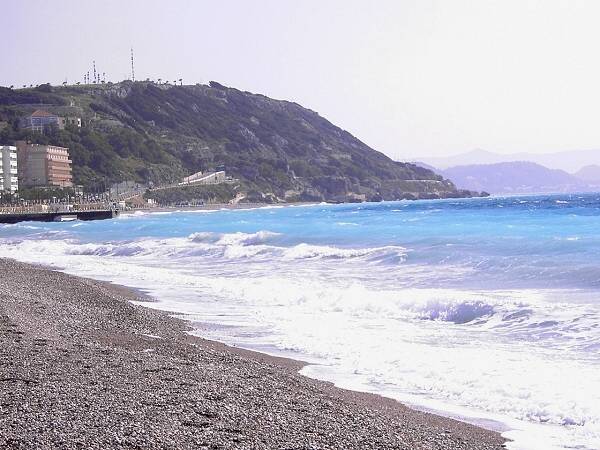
x: 60, y: 173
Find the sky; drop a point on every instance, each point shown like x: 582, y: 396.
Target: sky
x: 409, y: 78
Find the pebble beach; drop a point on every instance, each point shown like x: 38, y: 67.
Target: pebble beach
x: 81, y: 367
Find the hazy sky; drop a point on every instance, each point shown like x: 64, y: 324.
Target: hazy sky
x: 409, y: 78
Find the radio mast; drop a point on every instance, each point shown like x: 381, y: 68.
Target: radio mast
x: 132, y: 68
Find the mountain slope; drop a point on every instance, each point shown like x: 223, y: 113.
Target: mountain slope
x: 589, y: 174
x: 514, y: 178
x: 158, y: 133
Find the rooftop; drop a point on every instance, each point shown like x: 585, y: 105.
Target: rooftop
x: 42, y: 113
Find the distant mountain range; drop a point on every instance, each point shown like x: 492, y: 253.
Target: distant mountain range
x: 516, y: 177
x: 570, y: 161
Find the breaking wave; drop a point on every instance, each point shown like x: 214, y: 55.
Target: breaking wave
x: 458, y: 313
x: 305, y: 251
x: 228, y: 245
x: 238, y: 238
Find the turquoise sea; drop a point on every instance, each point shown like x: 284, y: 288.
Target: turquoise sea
x: 485, y: 309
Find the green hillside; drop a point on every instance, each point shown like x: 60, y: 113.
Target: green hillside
x: 154, y: 133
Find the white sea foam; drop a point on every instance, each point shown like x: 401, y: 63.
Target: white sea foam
x: 514, y: 356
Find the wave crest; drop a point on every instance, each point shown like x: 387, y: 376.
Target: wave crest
x: 231, y: 246
x: 238, y: 238
x: 307, y: 251
x: 459, y: 313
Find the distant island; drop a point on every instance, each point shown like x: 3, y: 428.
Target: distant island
x: 148, y: 134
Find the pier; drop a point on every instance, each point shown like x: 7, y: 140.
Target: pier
x: 10, y: 215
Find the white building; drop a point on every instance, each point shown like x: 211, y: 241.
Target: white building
x: 204, y: 178
x: 8, y: 169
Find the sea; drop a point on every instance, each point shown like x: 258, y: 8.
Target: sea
x: 486, y: 309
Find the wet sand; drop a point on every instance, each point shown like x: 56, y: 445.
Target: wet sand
x: 81, y: 367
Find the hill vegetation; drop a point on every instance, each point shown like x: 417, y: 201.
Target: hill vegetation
x: 156, y: 134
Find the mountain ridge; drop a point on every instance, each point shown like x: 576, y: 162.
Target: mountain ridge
x: 146, y: 132
x: 570, y: 160
x: 589, y: 174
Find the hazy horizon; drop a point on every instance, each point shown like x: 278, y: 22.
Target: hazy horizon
x: 411, y: 79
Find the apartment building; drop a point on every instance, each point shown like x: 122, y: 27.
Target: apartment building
x: 8, y: 169
x: 43, y: 165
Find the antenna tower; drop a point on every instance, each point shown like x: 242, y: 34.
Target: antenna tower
x: 132, y: 67
x: 94, y: 71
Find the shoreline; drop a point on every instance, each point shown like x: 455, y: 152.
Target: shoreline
x: 217, y: 207
x: 91, y: 335
x: 484, y: 421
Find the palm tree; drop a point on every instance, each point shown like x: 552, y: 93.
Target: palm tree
x: 181, y: 82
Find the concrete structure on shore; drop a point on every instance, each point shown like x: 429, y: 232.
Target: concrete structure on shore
x: 58, y: 214
x: 204, y: 178
x: 43, y: 165
x: 40, y: 120
x: 8, y: 169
